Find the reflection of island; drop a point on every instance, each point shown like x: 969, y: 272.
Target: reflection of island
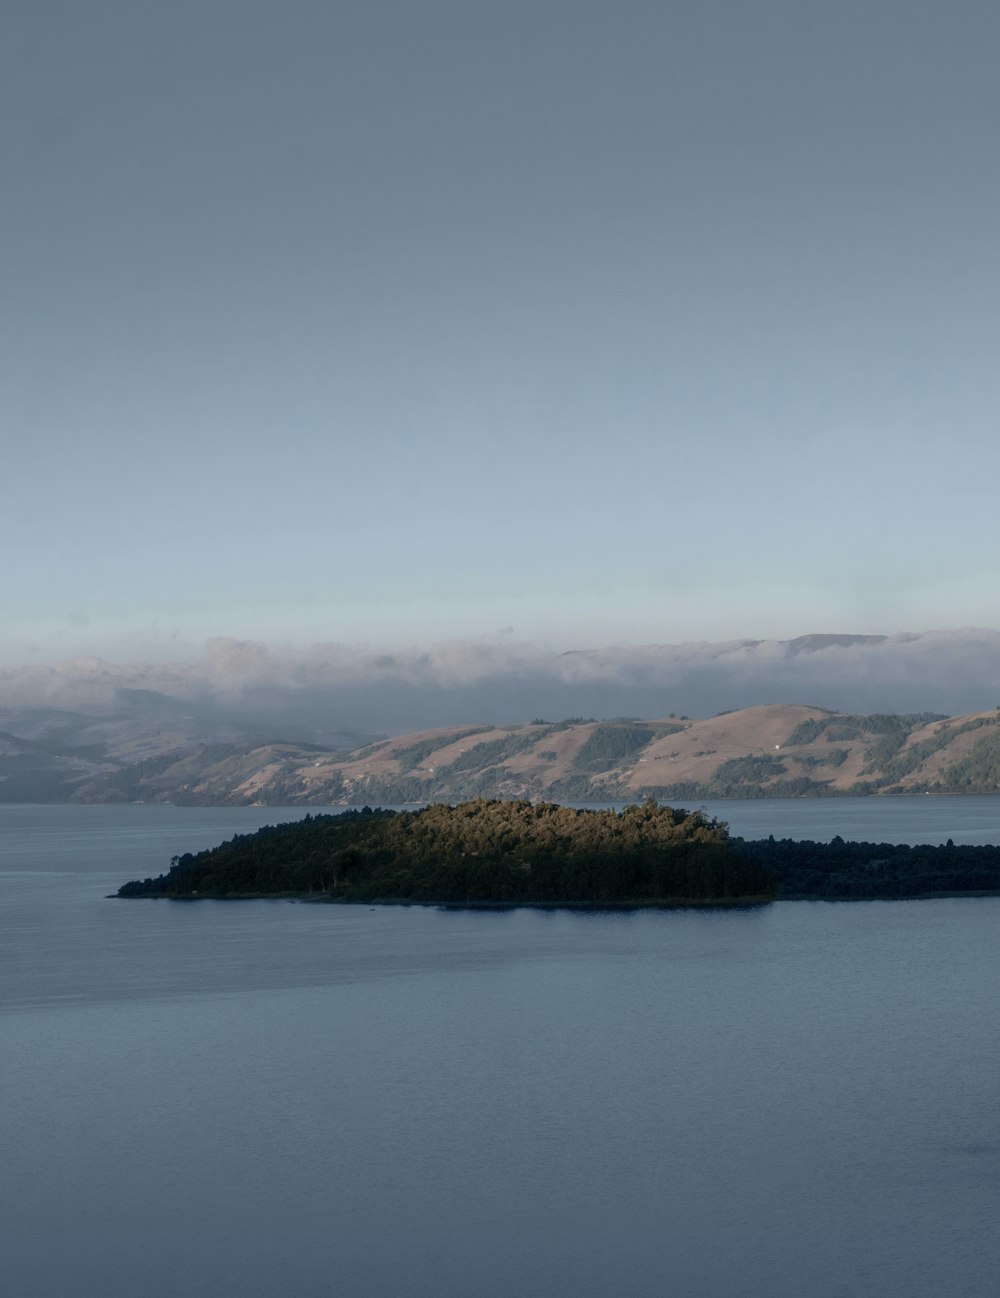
x: 498, y: 852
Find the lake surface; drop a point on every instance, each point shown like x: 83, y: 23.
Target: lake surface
x: 270, y: 1098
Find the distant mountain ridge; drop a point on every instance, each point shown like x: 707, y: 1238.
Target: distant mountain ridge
x: 781, y: 750
x: 812, y: 643
x: 775, y: 751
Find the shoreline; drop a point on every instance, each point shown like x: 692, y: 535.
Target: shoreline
x: 313, y: 899
x: 736, y: 903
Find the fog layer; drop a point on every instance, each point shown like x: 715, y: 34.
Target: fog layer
x: 307, y: 692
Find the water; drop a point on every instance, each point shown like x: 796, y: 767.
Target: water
x: 269, y: 1098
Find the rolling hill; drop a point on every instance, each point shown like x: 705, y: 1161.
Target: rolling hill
x: 771, y: 751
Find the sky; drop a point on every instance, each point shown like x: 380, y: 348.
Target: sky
x: 575, y: 323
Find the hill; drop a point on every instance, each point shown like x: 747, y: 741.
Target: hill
x: 773, y: 751
x: 777, y: 751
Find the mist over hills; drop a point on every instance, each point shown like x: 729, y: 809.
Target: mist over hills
x: 252, y: 722
x: 327, y: 691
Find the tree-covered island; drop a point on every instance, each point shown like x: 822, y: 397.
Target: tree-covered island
x: 497, y: 852
x: 480, y: 852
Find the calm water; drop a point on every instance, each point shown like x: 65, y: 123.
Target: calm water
x: 267, y: 1098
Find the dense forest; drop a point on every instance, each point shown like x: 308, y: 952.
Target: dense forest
x: 511, y: 853
x: 502, y: 852
x: 841, y: 870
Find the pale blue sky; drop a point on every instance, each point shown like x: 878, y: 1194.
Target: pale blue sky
x: 391, y: 322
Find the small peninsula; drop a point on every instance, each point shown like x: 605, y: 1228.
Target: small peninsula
x: 517, y: 853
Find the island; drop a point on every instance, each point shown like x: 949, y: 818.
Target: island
x: 483, y: 852
x: 496, y: 852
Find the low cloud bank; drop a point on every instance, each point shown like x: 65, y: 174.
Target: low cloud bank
x: 311, y: 692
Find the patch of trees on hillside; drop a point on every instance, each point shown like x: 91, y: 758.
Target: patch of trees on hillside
x: 609, y: 745
x: 413, y: 754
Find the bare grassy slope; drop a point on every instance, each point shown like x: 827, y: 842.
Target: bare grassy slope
x: 774, y: 751
x: 779, y: 750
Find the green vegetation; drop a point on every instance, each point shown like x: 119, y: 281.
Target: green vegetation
x: 889, y: 761
x: 479, y: 852
x: 135, y: 782
x: 290, y: 788
x: 743, y: 777
x: 799, y: 786
x: 882, y: 753
x: 890, y: 757
x: 977, y: 773
x: 839, y: 726
x: 566, y: 723
x: 835, y: 757
x: 807, y: 732
x: 609, y: 745
x: 842, y: 871
x: 414, y: 754
x: 580, y: 788
x: 517, y: 853
x: 496, y: 751
x: 738, y: 772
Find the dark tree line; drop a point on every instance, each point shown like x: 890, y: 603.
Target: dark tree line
x: 840, y: 869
